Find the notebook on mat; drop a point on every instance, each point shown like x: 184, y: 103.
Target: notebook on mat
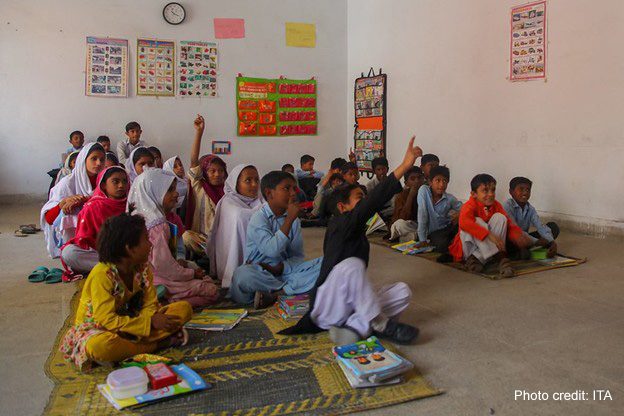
x: 216, y: 319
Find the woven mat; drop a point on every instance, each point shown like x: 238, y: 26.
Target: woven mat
x: 521, y: 267
x: 253, y: 372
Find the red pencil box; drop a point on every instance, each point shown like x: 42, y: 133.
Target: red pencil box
x: 160, y: 375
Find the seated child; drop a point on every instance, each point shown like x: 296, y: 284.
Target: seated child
x: 174, y: 166
x: 105, y: 142
x: 351, y: 175
x: 525, y: 215
x: 59, y: 216
x: 301, y: 196
x: 227, y: 240
x: 108, y: 200
x: 307, y: 168
x: 158, y: 162
x: 325, y: 210
x: 484, y: 228
x: 76, y: 139
x: 438, y: 211
x: 380, y: 169
x: 325, y: 187
x: 125, y: 147
x: 68, y: 166
x: 118, y: 315
x: 153, y: 195
x: 343, y: 299
x: 274, y: 259
x: 428, y: 162
x: 111, y: 160
x: 404, y: 225
x: 139, y: 159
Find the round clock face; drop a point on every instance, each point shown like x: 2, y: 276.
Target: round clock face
x: 174, y: 13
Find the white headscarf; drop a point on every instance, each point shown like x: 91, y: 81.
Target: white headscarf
x: 226, y: 244
x: 182, y: 184
x: 76, y: 183
x: 147, y: 193
x: 132, y: 173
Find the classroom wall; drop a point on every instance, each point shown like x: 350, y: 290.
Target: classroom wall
x: 42, y: 62
x: 447, y: 63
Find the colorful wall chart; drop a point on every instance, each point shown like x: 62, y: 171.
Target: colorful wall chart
x: 276, y: 107
x: 106, y: 72
x: 370, y: 119
x: 197, y: 70
x: 155, y: 67
x: 528, y: 42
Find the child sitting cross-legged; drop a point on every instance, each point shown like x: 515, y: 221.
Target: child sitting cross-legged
x: 484, y: 228
x: 118, y: 315
x: 403, y: 222
x: 343, y: 300
x: 438, y: 211
x: 525, y: 215
x: 274, y: 257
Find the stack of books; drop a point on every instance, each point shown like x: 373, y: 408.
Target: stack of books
x: 293, y: 307
x: 369, y: 364
x: 413, y: 247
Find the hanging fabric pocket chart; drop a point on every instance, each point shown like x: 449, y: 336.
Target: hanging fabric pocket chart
x: 155, y: 67
x: 106, y: 72
x: 276, y: 107
x: 370, y: 119
x: 197, y: 69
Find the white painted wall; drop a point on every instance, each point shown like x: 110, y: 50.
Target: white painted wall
x: 42, y: 60
x: 447, y: 62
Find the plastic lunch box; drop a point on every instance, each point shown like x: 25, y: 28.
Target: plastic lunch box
x: 127, y: 382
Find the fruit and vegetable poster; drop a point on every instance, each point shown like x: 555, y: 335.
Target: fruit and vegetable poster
x: 197, y: 70
x: 370, y: 119
x: 106, y: 73
x: 528, y: 42
x: 155, y: 67
x: 276, y: 107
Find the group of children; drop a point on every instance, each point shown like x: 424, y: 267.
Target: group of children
x: 134, y: 224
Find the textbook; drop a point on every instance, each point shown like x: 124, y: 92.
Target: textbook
x: 294, y: 305
x: 370, y: 361
x: 191, y: 381
x: 216, y: 319
x: 356, y: 383
x: 375, y: 223
x: 413, y: 247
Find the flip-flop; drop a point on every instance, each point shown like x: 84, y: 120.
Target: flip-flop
x: 55, y: 275
x: 28, y: 229
x: 20, y: 233
x: 38, y: 275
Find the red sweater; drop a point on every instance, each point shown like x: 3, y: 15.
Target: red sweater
x: 468, y: 215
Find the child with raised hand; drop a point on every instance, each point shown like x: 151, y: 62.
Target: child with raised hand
x: 140, y: 158
x: 226, y: 244
x: 79, y: 255
x: 343, y: 299
x: 325, y: 187
x: 438, y: 211
x: 158, y: 162
x: 153, y: 195
x: 274, y: 257
x: 132, y: 141
x: 484, y: 229
x: 59, y: 216
x: 119, y: 315
x: 403, y: 221
x: 525, y: 216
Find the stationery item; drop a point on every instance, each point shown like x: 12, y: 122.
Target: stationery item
x: 216, y: 319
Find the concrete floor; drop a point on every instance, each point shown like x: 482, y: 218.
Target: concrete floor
x: 556, y: 331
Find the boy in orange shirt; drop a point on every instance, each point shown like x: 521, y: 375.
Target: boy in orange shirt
x: 484, y: 228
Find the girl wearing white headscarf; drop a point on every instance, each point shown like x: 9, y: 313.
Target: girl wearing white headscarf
x: 226, y: 245
x: 59, y: 216
x: 181, y: 181
x: 139, y: 159
x: 153, y: 195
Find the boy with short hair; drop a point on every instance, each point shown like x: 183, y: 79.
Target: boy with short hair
x: 380, y: 169
x: 325, y: 188
x: 438, y: 211
x: 428, y: 162
x: 274, y: 258
x: 403, y: 223
x: 133, y: 140
x: 525, y: 215
x: 484, y: 228
x: 105, y: 142
x: 307, y: 168
x: 76, y: 139
x: 351, y: 175
x: 343, y: 300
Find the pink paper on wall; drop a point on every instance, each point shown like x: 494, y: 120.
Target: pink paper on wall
x: 229, y: 28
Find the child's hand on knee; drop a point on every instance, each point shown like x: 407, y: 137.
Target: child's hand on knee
x: 161, y: 321
x: 500, y: 244
x: 524, y: 241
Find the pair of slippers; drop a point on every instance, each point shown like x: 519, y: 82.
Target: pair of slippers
x: 43, y: 274
x: 27, y: 229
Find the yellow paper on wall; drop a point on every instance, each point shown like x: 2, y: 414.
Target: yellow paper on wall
x: 302, y: 35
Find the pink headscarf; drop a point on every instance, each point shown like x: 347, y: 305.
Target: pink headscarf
x: 215, y: 193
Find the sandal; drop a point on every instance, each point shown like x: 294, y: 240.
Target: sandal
x: 20, y: 233
x: 28, y: 229
x: 38, y: 275
x: 473, y: 265
x: 55, y: 275
x: 505, y: 269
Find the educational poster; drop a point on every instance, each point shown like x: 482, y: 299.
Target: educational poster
x: 276, y: 107
x: 107, y: 67
x: 155, y: 67
x: 528, y: 42
x: 370, y: 119
x: 197, y: 71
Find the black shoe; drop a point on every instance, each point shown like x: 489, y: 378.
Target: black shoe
x: 398, y: 332
x: 445, y: 258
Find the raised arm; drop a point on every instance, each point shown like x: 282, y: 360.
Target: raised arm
x: 199, y: 125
